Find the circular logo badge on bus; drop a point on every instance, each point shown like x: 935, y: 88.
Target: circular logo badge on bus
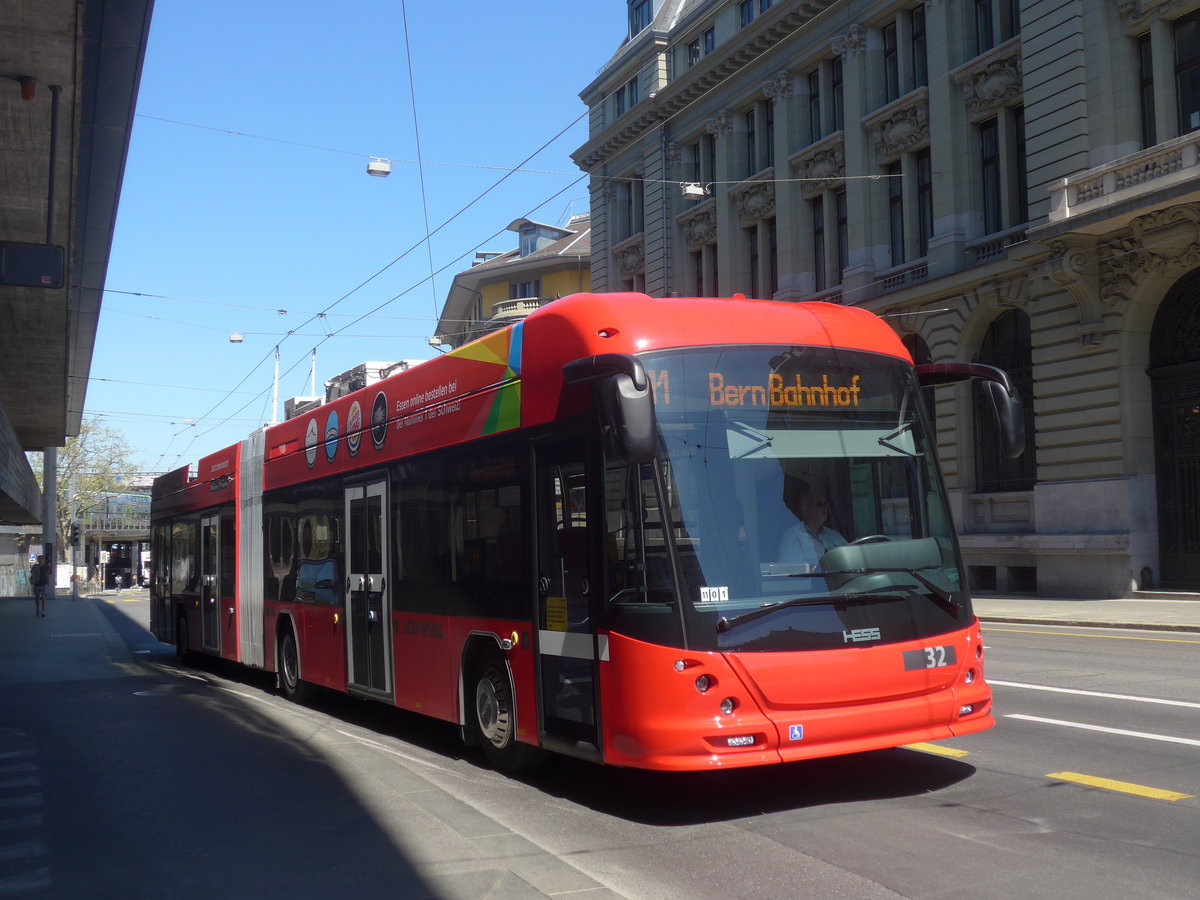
x: 354, y: 427
x: 331, y: 435
x: 379, y: 413
x: 310, y: 443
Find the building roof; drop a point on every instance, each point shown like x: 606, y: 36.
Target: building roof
x: 460, y: 299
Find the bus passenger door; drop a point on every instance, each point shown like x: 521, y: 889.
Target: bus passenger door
x: 210, y: 583
x: 368, y: 603
x: 567, y: 594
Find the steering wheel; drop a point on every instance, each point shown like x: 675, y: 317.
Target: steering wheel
x: 870, y: 539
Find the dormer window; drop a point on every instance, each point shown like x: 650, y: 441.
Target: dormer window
x: 640, y: 14
x: 529, y: 236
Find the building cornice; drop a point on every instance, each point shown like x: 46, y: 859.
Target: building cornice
x: 710, y: 72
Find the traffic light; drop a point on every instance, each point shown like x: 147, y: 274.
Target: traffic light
x: 74, y: 534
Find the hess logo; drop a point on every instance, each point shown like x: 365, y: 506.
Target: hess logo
x: 860, y: 634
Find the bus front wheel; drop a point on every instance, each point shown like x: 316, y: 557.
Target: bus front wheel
x: 496, y: 721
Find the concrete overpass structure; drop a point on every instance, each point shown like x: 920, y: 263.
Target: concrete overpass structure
x: 69, y: 73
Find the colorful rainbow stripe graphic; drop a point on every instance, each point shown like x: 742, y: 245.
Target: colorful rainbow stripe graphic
x: 501, y: 352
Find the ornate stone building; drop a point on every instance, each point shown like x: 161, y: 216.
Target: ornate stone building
x: 1009, y: 181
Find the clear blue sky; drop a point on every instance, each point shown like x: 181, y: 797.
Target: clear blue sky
x: 246, y: 192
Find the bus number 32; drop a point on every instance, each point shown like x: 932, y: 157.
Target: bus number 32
x: 929, y: 658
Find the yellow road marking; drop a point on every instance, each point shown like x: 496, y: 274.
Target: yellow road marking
x: 1110, y: 637
x: 1124, y: 787
x: 936, y: 748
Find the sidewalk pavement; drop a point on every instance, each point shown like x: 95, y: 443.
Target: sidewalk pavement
x: 1140, y: 612
x: 74, y: 641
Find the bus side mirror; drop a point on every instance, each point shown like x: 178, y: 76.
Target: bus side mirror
x: 627, y: 418
x: 624, y: 402
x: 1005, y: 401
x: 1010, y: 414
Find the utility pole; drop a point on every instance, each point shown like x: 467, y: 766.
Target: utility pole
x: 76, y: 535
x: 50, y: 512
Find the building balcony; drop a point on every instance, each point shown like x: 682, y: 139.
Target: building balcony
x: 512, y: 310
x: 1107, y: 197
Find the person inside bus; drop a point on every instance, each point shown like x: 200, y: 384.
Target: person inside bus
x: 807, y: 540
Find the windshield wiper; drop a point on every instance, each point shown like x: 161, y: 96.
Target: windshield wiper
x: 936, y: 593
x: 725, y: 625
x: 939, y: 594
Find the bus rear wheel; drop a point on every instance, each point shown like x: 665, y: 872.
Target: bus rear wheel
x: 289, y: 668
x: 496, y: 722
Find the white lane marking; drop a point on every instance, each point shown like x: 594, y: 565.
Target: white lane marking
x: 1060, y: 690
x: 1145, y: 735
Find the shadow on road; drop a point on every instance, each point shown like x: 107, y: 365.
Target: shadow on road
x: 653, y: 798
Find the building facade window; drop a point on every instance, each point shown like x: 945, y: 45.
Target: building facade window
x: 910, y: 205
x: 837, y: 93
x: 924, y: 163
x: 895, y: 182
x: 628, y: 209
x: 525, y: 290
x: 760, y: 137
x: 995, y: 22
x: 753, y: 258
x: 842, y: 210
x: 1003, y: 180
x: 831, y: 230
x: 989, y: 163
x: 745, y: 13
x: 817, y: 206
x: 772, y: 252
x: 891, y: 63
x: 816, y: 121
x: 919, y: 58
x: 826, y: 104
x: 1146, y: 73
x: 1187, y: 72
x: 693, y: 52
x: 708, y: 40
x: 905, y: 60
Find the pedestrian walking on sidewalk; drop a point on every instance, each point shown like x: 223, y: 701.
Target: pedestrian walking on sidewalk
x: 39, y: 577
x: 118, y: 580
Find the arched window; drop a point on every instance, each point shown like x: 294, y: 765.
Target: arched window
x: 1007, y: 345
x: 1175, y: 377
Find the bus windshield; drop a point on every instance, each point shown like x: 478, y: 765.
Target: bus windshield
x: 795, y: 504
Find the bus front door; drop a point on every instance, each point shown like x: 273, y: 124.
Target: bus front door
x: 368, y: 624
x: 210, y: 583
x: 567, y: 642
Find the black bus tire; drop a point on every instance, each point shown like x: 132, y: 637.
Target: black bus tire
x: 493, y: 717
x: 289, y: 668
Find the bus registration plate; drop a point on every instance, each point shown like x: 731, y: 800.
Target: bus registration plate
x: 929, y: 658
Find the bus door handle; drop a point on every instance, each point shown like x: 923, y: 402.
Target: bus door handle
x: 372, y: 616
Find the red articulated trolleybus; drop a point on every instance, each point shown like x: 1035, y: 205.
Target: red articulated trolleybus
x: 592, y: 532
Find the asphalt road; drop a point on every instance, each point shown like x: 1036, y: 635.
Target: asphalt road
x: 153, y: 781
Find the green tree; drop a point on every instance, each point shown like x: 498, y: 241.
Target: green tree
x: 90, y: 466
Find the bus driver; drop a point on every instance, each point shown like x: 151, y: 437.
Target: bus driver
x: 807, y: 540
